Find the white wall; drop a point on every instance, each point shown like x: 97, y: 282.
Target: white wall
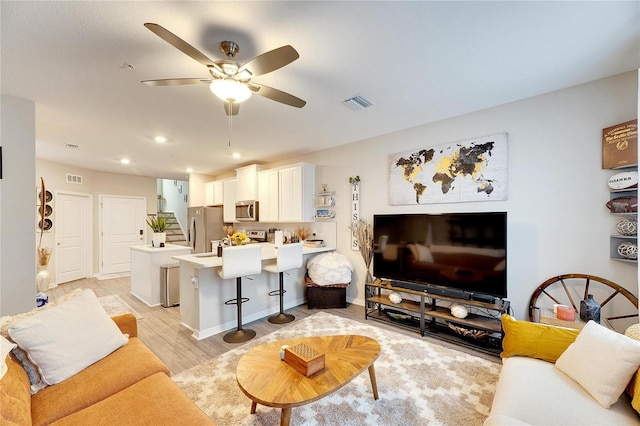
x: 558, y: 222
x: 94, y: 183
x: 17, y: 206
x: 174, y: 192
x: 197, y: 185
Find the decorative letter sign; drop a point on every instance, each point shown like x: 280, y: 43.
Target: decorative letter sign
x: 355, y: 209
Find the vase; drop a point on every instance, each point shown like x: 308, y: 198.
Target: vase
x: 43, y: 279
x: 41, y: 299
x: 589, y: 309
x: 158, y: 238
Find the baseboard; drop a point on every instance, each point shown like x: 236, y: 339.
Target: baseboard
x: 230, y: 325
x: 102, y: 277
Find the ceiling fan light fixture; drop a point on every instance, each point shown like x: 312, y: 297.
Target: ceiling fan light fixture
x: 216, y: 71
x: 230, y: 90
x: 244, y: 75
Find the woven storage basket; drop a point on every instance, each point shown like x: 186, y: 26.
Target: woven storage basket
x: 325, y: 296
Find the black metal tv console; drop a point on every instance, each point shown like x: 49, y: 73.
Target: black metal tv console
x: 428, y: 312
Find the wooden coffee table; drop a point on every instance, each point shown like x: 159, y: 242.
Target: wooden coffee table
x: 269, y: 381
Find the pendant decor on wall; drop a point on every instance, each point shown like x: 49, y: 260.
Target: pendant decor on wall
x: 470, y: 170
x: 355, y: 209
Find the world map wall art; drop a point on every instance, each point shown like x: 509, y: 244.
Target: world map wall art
x: 471, y: 170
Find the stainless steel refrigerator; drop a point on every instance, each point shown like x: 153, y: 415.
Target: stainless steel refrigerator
x: 205, y: 225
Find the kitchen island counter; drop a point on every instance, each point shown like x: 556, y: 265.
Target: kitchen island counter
x: 145, y: 270
x: 203, y: 292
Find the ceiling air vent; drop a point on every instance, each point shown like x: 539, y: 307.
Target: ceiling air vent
x: 357, y: 103
x: 74, y: 179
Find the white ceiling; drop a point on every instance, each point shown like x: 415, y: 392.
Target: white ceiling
x: 418, y: 62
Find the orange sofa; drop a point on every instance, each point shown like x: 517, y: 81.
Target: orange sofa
x: 131, y: 386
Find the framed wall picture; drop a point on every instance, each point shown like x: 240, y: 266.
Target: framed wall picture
x: 620, y: 145
x: 470, y: 170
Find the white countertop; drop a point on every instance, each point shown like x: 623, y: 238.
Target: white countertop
x: 166, y: 249
x: 211, y: 260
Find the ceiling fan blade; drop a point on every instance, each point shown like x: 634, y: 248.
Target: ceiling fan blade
x: 277, y: 95
x: 271, y: 60
x: 234, y: 109
x: 176, y: 81
x: 180, y: 44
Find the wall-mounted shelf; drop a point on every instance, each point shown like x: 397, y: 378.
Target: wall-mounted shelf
x: 617, y: 239
x: 325, y: 205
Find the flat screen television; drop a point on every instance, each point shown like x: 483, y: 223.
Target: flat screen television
x: 458, y: 254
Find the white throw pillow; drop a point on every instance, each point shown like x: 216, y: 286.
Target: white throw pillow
x: 5, y: 348
x: 67, y: 338
x: 601, y: 361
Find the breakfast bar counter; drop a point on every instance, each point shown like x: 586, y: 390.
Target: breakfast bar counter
x: 203, y: 292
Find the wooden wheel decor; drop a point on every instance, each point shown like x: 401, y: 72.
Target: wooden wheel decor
x: 570, y: 289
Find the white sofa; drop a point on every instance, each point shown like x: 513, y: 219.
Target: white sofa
x: 555, y: 376
x: 533, y: 392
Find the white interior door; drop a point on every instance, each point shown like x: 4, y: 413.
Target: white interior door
x: 123, y: 225
x: 73, y: 236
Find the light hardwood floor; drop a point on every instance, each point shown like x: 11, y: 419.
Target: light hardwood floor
x: 161, y: 330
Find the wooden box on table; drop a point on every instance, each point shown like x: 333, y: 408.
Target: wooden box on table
x: 304, y: 359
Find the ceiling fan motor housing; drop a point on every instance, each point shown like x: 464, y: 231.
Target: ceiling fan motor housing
x: 229, y: 48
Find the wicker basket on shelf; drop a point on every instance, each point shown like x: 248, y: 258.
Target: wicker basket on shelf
x: 472, y: 333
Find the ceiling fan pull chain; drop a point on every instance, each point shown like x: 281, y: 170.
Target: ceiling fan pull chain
x: 230, y: 123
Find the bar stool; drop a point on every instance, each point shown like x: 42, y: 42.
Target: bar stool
x: 238, y: 262
x: 289, y: 256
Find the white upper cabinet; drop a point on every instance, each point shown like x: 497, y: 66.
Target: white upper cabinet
x: 213, y: 195
x: 268, y: 196
x: 247, y: 183
x: 229, y: 200
x: 296, y: 192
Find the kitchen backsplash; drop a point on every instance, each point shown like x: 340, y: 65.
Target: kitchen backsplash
x: 319, y: 230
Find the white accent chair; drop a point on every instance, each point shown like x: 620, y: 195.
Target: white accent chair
x: 238, y: 262
x: 288, y: 256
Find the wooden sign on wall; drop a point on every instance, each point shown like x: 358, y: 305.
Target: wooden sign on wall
x: 355, y: 209
x: 620, y: 145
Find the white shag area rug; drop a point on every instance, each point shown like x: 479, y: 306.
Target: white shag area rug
x: 114, y: 306
x: 419, y: 383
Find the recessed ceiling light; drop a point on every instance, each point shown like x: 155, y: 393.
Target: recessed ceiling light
x: 189, y: 170
x: 125, y: 161
x: 236, y: 155
x: 160, y: 139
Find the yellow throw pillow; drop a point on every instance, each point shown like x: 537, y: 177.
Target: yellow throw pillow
x: 533, y: 340
x: 633, y: 389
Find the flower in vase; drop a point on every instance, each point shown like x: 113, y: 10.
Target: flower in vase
x: 44, y: 254
x: 239, y: 239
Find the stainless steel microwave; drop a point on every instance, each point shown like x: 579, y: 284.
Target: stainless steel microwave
x: 247, y: 211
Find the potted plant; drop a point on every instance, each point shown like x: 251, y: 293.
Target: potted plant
x: 158, y: 225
